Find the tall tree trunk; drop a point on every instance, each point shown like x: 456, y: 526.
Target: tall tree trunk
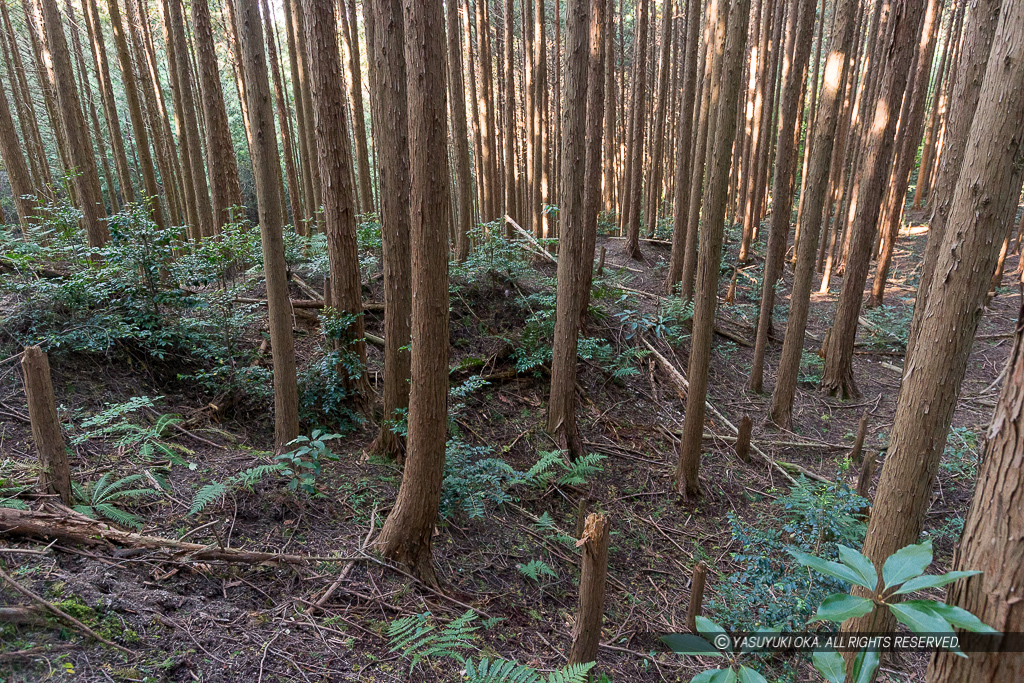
x: 993, y: 539
x: 982, y: 209
x: 303, y: 132
x: 658, y: 140
x: 294, y: 185
x: 334, y: 156
x: 636, y: 144
x: 799, y: 29
x: 14, y: 164
x: 573, y: 260
x: 910, y: 137
x: 812, y: 114
x: 837, y: 71
x: 87, y: 181
x: 541, y: 225
x: 597, y: 101
x: 227, y: 191
x: 457, y: 105
x: 684, y: 148
x: 608, y: 164
x: 723, y: 101
x: 267, y: 171
x: 872, y: 173
x: 308, y: 130
x: 358, y: 115
x: 99, y: 54
x: 406, y: 536
x: 511, y: 169
x: 966, y: 91
x: 390, y: 106
x: 27, y: 119
x: 706, y: 126
x: 487, y: 138
x: 131, y: 87
x: 193, y: 148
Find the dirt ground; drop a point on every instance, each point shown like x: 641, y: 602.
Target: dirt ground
x: 189, y: 621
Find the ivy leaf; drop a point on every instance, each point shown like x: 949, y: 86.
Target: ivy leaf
x: 918, y: 616
x: 839, y: 607
x: 833, y: 569
x: 859, y: 564
x: 689, y: 644
x: 864, y: 666
x: 957, y: 616
x: 907, y: 563
x: 830, y: 664
x: 932, y: 581
x: 748, y: 675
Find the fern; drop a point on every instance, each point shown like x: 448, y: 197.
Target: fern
x: 536, y: 570
x: 217, y: 489
x: 503, y: 671
x: 414, y: 638
x: 546, y: 525
x: 97, y: 498
x: 581, y: 470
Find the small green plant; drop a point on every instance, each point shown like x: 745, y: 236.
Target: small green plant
x: 245, y: 479
x: 151, y: 441
x: 811, y: 367
x: 903, y: 573
x: 418, y: 638
x: 536, y: 570
x: 553, y: 468
x: 302, y: 465
x: 962, y: 455
x: 97, y: 498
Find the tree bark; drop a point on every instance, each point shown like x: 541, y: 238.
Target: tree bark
x: 406, y: 536
x: 586, y: 633
x: 511, y: 169
x: 981, y: 211
x: 223, y: 168
x: 267, y: 171
x: 993, y: 539
x: 334, y: 157
x: 390, y: 107
x: 654, y: 187
x: 358, y: 115
x: 684, y: 148
x: 55, y: 475
x: 826, y: 123
x: 132, y: 88
x: 872, y: 174
x: 636, y: 146
x: 966, y: 91
x: 14, y: 164
x: 460, y: 135
x: 799, y: 31
x: 304, y: 134
x: 87, y: 181
x: 572, y: 257
x: 723, y: 102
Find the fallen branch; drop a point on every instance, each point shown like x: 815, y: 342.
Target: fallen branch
x: 309, y: 303
x: 69, y: 526
x: 62, y: 614
x: 537, y: 248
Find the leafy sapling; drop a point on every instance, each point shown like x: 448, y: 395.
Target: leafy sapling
x: 302, y: 465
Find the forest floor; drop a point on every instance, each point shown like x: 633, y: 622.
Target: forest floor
x: 209, y: 621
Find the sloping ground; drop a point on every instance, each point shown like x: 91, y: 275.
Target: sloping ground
x: 210, y: 621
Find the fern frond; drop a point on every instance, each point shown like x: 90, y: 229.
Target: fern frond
x: 500, y: 671
x: 117, y: 515
x: 207, y: 495
x: 541, y: 472
x: 574, y: 673
x: 13, y: 503
x: 417, y: 640
x: 86, y: 510
x: 582, y: 470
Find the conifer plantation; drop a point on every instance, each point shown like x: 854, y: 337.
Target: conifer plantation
x: 528, y: 341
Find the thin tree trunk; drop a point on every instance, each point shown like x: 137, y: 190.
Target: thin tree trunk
x: 457, y: 105
x: 654, y: 188
x: 982, y: 209
x: 224, y: 184
x: 406, y: 536
x: 304, y: 136
x: 358, y: 116
x: 636, y: 145
x: 131, y: 87
x: 723, y: 100
x: 872, y: 174
x: 837, y: 71
x: 684, y: 148
x: 799, y: 30
x: 267, y: 171
x: 573, y: 259
x: 511, y: 169
x: 86, y: 182
x: 54, y: 474
x: 14, y: 164
x: 488, y: 151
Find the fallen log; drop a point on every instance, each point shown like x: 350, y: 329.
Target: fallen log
x: 74, y: 528
x: 309, y: 303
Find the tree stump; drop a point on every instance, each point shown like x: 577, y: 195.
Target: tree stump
x: 55, y: 475
x: 586, y: 635
x: 700, y: 574
x: 743, y: 439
